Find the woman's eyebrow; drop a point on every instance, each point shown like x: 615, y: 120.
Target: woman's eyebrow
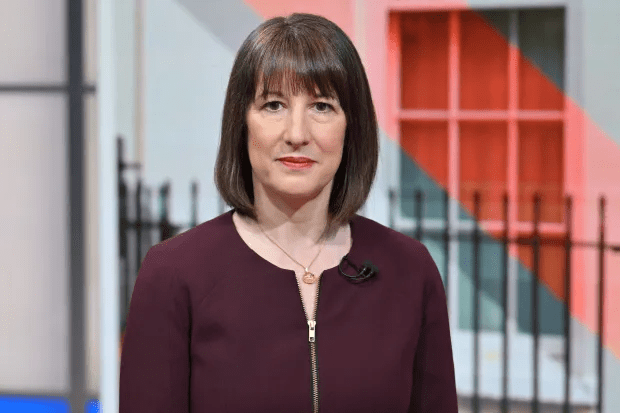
x: 278, y: 93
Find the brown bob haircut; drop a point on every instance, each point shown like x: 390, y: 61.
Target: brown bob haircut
x: 304, y: 52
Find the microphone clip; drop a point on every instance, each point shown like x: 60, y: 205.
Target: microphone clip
x: 365, y: 272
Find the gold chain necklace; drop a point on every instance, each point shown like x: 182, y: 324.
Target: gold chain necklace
x: 308, y: 277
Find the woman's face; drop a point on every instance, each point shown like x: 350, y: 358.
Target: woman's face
x: 285, y: 125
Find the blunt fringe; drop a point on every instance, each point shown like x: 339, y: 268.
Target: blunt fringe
x: 302, y: 52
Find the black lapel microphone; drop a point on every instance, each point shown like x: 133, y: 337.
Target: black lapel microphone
x: 365, y: 272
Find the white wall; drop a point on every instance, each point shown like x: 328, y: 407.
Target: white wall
x: 186, y: 73
x: 34, y: 304
x: 601, y: 60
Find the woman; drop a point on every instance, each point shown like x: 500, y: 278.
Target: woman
x: 261, y: 309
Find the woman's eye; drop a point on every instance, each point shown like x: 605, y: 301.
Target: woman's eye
x: 273, y: 106
x: 323, y: 106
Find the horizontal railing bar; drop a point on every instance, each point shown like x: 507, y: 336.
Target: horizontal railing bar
x: 480, y: 115
x: 465, y: 235
x: 434, y: 232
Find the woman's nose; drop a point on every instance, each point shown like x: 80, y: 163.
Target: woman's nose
x: 297, y: 128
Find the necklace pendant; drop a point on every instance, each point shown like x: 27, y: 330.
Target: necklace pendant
x: 309, y: 278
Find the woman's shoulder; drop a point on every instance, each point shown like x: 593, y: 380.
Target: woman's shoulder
x: 388, y: 245
x: 194, y: 251
x: 195, y: 260
x: 206, y: 234
x: 391, y: 240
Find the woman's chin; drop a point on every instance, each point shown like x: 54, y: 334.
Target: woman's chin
x: 298, y: 194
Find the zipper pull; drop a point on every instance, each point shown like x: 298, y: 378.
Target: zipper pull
x: 311, y: 330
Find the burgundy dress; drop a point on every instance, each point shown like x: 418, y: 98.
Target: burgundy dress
x: 214, y: 327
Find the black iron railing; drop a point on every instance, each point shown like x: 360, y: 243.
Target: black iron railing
x: 139, y: 229
x: 536, y: 241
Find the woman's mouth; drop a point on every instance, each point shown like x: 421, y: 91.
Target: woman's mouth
x: 303, y: 164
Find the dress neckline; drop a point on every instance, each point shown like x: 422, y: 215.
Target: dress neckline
x: 353, y: 253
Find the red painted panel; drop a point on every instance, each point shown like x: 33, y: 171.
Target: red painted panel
x: 483, y: 166
x: 424, y: 77
x: 552, y: 260
x: 536, y: 91
x: 484, y: 65
x: 340, y: 12
x: 541, y: 169
x: 427, y: 144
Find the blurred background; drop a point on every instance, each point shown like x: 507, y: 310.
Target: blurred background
x: 500, y: 151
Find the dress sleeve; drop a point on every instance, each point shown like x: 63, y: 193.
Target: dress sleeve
x: 155, y: 368
x: 434, y: 387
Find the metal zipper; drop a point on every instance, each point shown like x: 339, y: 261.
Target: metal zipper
x: 312, y: 341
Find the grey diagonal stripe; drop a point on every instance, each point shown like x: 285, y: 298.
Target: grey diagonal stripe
x: 229, y: 20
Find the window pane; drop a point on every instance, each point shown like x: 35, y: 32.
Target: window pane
x: 414, y: 178
x: 499, y: 20
x: 424, y: 166
x: 541, y: 67
x: 34, y: 282
x: 483, y: 166
x: 484, y: 63
x: 424, y: 61
x: 491, y: 278
x: 541, y: 169
x: 33, y: 41
x: 550, y: 289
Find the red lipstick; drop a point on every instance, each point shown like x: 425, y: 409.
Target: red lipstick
x: 296, y: 162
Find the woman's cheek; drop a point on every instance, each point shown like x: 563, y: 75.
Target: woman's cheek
x: 332, y: 138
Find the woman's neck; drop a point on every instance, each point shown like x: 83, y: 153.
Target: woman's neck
x: 299, y: 229
x: 295, y: 222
